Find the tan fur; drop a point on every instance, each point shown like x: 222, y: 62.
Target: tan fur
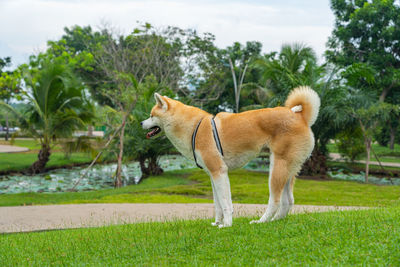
x: 286, y: 132
x: 304, y: 96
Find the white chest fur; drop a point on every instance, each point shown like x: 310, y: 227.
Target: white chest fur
x: 183, y: 145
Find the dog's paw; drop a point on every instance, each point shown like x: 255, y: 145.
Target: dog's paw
x: 256, y: 222
x: 215, y: 223
x: 224, y: 225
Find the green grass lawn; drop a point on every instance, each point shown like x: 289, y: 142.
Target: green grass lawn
x: 22, y: 161
x: 368, y: 237
x: 385, y: 154
x: 29, y: 143
x: 194, y: 186
x: 358, y: 166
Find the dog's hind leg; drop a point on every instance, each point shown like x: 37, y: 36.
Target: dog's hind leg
x: 278, y: 178
x: 287, y: 200
x: 217, y: 205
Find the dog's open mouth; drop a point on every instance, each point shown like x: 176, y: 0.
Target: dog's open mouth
x: 154, y: 131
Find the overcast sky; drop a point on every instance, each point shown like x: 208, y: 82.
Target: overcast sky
x: 26, y: 25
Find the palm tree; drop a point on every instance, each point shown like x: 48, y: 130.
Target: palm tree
x: 56, y: 107
x: 146, y: 151
x: 293, y: 66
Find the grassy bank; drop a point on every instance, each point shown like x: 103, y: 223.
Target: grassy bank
x: 369, y: 237
x: 28, y: 143
x: 384, y: 154
x: 22, y: 161
x: 194, y: 186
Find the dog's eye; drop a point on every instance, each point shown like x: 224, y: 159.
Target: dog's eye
x: 151, y: 116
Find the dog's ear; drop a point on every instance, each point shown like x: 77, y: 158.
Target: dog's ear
x: 161, y: 101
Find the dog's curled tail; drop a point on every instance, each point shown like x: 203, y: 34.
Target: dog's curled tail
x: 305, y: 100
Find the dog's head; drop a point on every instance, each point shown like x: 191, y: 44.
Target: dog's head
x: 157, y: 115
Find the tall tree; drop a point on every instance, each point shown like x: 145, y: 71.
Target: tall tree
x: 222, y: 76
x: 146, y: 151
x: 56, y: 104
x: 240, y: 59
x: 368, y: 119
x: 122, y: 64
x: 366, y: 32
x: 81, y: 43
x: 9, y: 87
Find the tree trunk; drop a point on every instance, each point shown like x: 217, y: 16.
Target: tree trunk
x: 392, y: 137
x: 368, y: 148
x: 7, y: 127
x: 384, y: 93
x: 316, y: 164
x: 43, y: 157
x: 90, y: 130
x: 143, y: 168
x: 118, y: 180
x: 152, y: 167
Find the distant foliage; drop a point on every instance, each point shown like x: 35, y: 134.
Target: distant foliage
x: 350, y: 143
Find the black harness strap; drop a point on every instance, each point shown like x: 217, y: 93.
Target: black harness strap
x: 216, y: 138
x: 194, y: 143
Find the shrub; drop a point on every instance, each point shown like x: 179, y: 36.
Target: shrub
x: 350, y: 143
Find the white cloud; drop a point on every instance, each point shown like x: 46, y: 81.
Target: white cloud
x: 27, y: 24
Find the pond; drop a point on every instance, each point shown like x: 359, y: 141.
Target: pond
x: 98, y: 177
x: 101, y: 176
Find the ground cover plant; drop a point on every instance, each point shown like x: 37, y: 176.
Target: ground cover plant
x: 367, y: 237
x: 194, y: 186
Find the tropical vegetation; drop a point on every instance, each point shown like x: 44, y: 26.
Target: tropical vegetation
x: 113, y: 76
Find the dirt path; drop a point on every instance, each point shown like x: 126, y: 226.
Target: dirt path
x: 34, y: 218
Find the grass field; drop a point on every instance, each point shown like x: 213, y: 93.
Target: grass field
x: 191, y: 186
x: 358, y: 166
x: 29, y: 143
x: 22, y: 161
x: 385, y: 154
x: 368, y: 237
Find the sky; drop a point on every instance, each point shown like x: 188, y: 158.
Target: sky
x: 27, y: 25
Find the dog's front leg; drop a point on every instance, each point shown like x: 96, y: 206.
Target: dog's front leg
x: 223, y: 194
x: 217, y: 205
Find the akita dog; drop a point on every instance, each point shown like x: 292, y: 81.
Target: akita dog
x: 230, y: 140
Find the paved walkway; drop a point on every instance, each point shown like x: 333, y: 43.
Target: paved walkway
x: 12, y: 149
x: 35, y: 218
x: 337, y: 157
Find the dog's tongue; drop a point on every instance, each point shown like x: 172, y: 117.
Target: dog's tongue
x: 150, y: 134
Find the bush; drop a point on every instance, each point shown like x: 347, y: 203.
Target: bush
x: 350, y: 143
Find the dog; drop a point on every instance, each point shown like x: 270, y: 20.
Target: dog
x: 230, y: 140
